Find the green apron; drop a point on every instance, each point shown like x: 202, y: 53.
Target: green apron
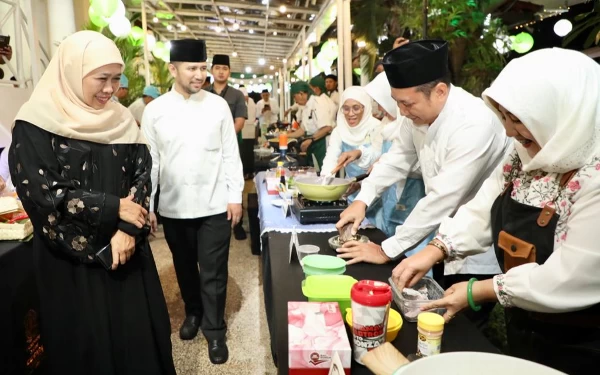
x: 319, y: 149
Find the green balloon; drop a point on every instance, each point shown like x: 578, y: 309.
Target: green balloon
x: 522, y: 42
x: 97, y: 19
x: 104, y: 8
x: 137, y: 33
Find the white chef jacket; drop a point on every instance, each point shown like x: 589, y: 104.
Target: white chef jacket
x: 249, y: 129
x: 137, y: 109
x: 457, y: 152
x: 274, y: 111
x: 317, y: 113
x: 335, y: 98
x: 569, y: 279
x: 195, y: 155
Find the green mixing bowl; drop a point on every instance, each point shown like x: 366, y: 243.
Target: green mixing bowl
x: 313, y: 189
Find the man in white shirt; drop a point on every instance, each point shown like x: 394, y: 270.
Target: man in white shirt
x: 331, y: 83
x: 456, y: 139
x: 196, y: 161
x: 137, y: 107
x: 267, y: 109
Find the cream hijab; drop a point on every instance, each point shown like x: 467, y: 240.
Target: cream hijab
x: 356, y: 135
x: 57, y: 106
x: 556, y: 95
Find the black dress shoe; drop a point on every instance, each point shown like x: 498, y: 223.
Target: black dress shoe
x: 239, y: 233
x: 189, y: 328
x: 217, y: 351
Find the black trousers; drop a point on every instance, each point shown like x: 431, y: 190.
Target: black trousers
x: 202, y: 242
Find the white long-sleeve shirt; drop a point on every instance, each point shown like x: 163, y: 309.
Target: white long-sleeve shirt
x: 273, y: 114
x: 195, y: 155
x: 569, y: 279
x: 457, y: 152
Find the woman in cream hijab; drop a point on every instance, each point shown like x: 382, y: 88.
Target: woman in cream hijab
x: 354, y: 132
x: 540, y: 210
x: 82, y: 171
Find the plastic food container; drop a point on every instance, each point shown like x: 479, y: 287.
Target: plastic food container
x: 410, y: 309
x: 323, y: 265
x: 329, y: 288
x: 394, y: 323
x: 305, y: 250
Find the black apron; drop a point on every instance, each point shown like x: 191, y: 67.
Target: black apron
x: 568, y: 342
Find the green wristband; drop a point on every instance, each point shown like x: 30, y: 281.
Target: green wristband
x: 470, y: 295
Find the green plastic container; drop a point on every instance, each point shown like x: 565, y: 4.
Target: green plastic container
x: 318, y: 264
x: 329, y: 288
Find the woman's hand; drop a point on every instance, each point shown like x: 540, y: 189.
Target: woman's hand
x: 456, y: 298
x: 349, y: 156
x: 131, y: 212
x: 413, y: 268
x: 306, y: 144
x: 123, y: 247
x: 354, y: 187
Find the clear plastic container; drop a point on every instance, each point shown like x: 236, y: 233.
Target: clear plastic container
x: 410, y: 309
x: 304, y: 250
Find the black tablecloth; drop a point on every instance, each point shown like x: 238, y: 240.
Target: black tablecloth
x: 19, y: 330
x: 282, y: 283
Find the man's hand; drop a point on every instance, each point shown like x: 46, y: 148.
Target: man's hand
x: 234, y: 213
x: 123, y: 247
x: 399, y: 42
x: 362, y: 252
x: 349, y: 156
x: 413, y: 268
x: 7, y: 53
x: 131, y: 212
x: 306, y: 144
x: 355, y: 213
x: 153, y: 221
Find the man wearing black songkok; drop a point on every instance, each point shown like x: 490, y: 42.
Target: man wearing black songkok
x: 456, y: 140
x: 196, y: 160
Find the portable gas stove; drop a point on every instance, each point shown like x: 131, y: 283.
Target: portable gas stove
x: 313, y: 212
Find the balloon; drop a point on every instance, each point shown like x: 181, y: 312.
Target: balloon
x: 104, y: 8
x: 120, y: 27
x: 151, y: 40
x: 137, y: 33
x: 159, y: 50
x: 97, y: 19
x: 522, y: 42
x: 120, y: 12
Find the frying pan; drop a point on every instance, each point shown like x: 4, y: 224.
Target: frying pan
x: 312, y: 188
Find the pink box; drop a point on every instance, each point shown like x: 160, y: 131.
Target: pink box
x: 315, y: 332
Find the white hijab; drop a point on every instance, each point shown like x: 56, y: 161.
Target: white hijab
x: 356, y: 135
x: 556, y: 95
x: 379, y: 89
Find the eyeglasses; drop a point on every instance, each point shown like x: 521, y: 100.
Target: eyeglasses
x: 356, y: 109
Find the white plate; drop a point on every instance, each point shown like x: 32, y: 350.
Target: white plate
x: 277, y: 202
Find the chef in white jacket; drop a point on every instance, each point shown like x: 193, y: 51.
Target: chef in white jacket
x: 196, y: 161
x: 456, y: 139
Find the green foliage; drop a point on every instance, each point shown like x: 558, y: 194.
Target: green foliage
x: 162, y: 78
x: 586, y: 22
x: 474, y: 60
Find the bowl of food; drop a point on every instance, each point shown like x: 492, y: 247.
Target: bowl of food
x: 336, y: 242
x: 394, y: 323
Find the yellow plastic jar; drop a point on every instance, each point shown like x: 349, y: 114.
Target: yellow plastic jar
x: 430, y: 327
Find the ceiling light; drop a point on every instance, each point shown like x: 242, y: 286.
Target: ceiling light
x: 236, y: 26
x: 234, y: 54
x: 261, y: 61
x: 277, y: 74
x: 270, y: 77
x: 183, y: 27
x: 248, y: 69
x: 251, y: 31
x: 274, y: 32
x: 272, y: 67
x: 282, y: 9
x: 170, y: 27
x: 260, y: 81
x: 563, y: 27
x: 254, y: 76
x: 284, y: 61
x: 155, y: 19
x: 242, y: 76
x: 218, y: 29
x: 289, y: 16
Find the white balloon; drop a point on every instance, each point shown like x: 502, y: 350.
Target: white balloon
x: 151, y: 40
x: 563, y: 27
x: 119, y: 13
x: 120, y: 27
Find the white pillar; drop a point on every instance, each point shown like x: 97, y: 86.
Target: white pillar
x: 340, y: 43
x: 303, y: 61
x: 347, y: 45
x: 310, y: 59
x: 282, y: 103
x: 61, y: 22
x: 146, y: 52
x: 364, y: 75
